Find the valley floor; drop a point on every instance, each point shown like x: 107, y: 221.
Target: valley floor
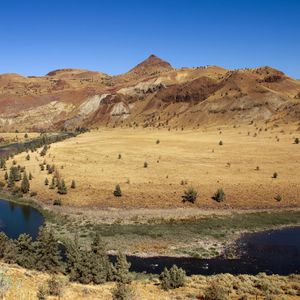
x: 154, y: 167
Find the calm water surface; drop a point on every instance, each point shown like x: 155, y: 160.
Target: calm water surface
x: 16, y: 219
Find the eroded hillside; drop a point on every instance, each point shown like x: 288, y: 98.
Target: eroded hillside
x: 151, y: 94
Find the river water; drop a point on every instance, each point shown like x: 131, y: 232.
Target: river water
x: 273, y: 252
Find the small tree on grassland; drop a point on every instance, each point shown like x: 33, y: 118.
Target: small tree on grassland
x: 219, y: 195
x: 73, y: 184
x: 25, y: 186
x: 61, y: 188
x: 117, y: 191
x: 190, y: 195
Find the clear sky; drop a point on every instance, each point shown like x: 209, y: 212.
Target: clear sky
x: 37, y: 36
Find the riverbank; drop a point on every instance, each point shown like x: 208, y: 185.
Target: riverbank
x: 203, y: 235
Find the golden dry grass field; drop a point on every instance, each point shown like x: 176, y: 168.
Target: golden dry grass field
x: 192, y: 157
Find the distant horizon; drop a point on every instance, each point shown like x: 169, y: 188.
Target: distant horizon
x: 39, y: 37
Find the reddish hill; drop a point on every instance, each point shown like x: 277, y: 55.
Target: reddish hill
x: 151, y: 94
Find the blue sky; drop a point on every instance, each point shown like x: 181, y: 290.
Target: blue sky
x: 113, y: 36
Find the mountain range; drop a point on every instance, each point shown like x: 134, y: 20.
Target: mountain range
x: 153, y: 93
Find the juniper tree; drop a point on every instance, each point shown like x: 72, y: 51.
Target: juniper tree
x: 219, y: 195
x: 173, y: 278
x: 10, y: 252
x: 30, y: 176
x: 15, y: 173
x: 27, y: 157
x: 122, y: 292
x: 61, y: 188
x: 11, y: 180
x: 190, y: 195
x: 117, y: 191
x: 25, y: 186
x: 25, y: 251
x: 47, y: 252
x: 52, y: 185
x: 73, y: 184
x: 46, y: 181
x: 102, y: 268
x: 73, y: 259
x: 2, y: 163
x: 5, y: 176
x: 3, y: 243
x: 121, y: 269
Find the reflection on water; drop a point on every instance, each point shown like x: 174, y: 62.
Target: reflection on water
x: 16, y: 219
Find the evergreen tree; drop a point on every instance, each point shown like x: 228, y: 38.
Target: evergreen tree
x: 11, y: 180
x: 121, y: 269
x: 15, y: 173
x: 47, y: 252
x: 73, y: 184
x: 10, y: 252
x: 52, y: 185
x: 173, y: 278
x: 2, y: 163
x: 46, y: 181
x: 85, y: 267
x: 73, y: 261
x: 25, y: 186
x: 6, y: 175
x: 25, y: 251
x: 27, y: 157
x: 3, y: 243
x: 30, y: 176
x: 102, y: 268
x: 117, y: 191
x: 61, y: 188
x: 122, y: 291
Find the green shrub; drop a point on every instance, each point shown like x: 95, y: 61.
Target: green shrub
x: 42, y: 293
x: 173, y: 278
x: 221, y: 143
x: 145, y: 164
x: 190, y: 195
x: 122, y: 291
x: 55, y: 286
x: 278, y: 198
x: 57, y: 202
x: 219, y: 195
x: 215, y: 291
x: 296, y: 141
x: 275, y: 175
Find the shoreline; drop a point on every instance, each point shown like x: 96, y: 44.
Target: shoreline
x: 203, y: 245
